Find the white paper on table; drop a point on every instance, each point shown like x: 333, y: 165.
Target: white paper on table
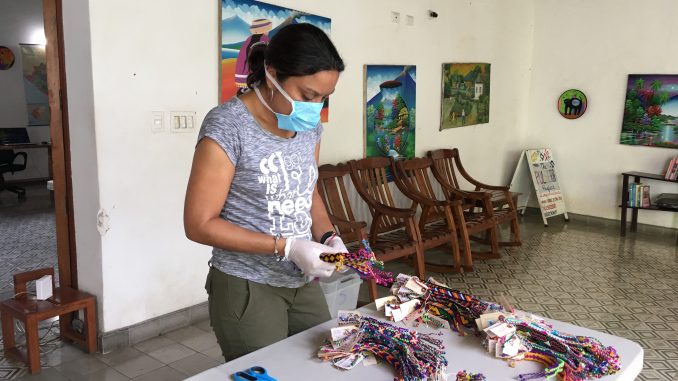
x: 381, y: 302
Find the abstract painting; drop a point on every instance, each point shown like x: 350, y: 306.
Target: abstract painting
x: 465, y: 94
x: 390, y: 110
x: 34, y: 65
x: 651, y: 111
x: 245, y: 22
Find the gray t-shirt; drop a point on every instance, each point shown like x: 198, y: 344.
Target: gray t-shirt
x: 271, y: 191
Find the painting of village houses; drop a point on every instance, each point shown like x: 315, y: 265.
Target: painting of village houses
x: 390, y: 108
x: 245, y: 23
x: 651, y: 111
x: 465, y: 94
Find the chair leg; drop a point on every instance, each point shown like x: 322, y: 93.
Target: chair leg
x: 372, y: 288
x: 419, y: 265
x: 32, y: 346
x: 90, y: 327
x: 8, y: 341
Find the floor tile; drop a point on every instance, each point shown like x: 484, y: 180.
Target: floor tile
x: 77, y: 368
x: 194, y: 364
x: 162, y: 374
x: 171, y: 353
x: 153, y: 344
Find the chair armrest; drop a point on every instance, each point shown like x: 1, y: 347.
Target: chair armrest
x: 479, y: 185
x: 24, y: 155
x: 346, y: 224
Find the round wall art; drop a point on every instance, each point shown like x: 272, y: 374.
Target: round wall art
x: 6, y: 58
x: 572, y: 104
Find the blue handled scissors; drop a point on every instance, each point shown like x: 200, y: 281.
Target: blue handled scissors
x: 255, y: 373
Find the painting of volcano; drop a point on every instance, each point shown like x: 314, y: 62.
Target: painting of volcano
x: 651, y: 111
x: 390, y: 110
x: 245, y: 22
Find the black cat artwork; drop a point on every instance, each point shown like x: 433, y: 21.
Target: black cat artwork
x: 572, y: 104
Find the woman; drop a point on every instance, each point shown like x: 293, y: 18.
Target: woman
x: 252, y: 195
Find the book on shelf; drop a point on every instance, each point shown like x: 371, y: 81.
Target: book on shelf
x: 645, y: 200
x: 639, y: 195
x: 669, y: 169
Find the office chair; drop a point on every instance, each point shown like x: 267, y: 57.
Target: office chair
x: 8, y: 163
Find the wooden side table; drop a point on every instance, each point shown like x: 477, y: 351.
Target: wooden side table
x: 31, y: 312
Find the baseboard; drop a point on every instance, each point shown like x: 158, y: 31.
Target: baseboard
x: 132, y: 335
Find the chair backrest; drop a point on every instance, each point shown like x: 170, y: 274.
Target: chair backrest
x: 333, y: 193
x: 415, y: 174
x: 21, y: 279
x: 444, y: 163
x: 6, y: 156
x: 371, y: 177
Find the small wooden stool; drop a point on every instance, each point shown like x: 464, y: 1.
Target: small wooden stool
x: 31, y: 312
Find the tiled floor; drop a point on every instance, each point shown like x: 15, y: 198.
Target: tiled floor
x: 581, y: 272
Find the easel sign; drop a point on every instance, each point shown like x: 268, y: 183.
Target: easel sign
x: 542, y: 171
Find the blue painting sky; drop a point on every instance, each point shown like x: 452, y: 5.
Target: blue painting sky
x: 250, y: 10
x: 378, y: 74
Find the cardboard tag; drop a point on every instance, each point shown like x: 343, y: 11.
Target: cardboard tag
x: 511, y: 346
x: 416, y: 286
x: 350, y: 361
x: 485, y: 320
x: 339, y: 333
x: 381, y: 302
x: 404, y: 310
x: 500, y: 329
x: 348, y: 317
x: 491, y: 345
x: 388, y: 309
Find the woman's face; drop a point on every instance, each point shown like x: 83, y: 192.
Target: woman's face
x: 309, y: 88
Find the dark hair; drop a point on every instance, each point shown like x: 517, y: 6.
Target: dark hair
x: 295, y: 50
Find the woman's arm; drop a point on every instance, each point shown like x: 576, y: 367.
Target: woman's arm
x: 208, y: 186
x: 320, y: 220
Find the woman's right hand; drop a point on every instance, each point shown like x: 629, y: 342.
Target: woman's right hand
x: 306, y: 255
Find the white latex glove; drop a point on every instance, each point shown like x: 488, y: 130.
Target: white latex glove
x: 306, y: 255
x: 337, y: 244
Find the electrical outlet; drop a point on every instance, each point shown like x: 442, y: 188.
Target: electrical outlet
x: 410, y: 20
x: 395, y: 17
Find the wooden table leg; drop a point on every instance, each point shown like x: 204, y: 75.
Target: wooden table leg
x: 32, y: 346
x: 90, y: 326
x: 624, y: 203
x: 8, y: 341
x: 634, y: 212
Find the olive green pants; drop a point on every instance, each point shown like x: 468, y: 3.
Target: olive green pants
x: 246, y: 315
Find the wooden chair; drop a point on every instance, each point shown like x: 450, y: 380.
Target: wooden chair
x: 437, y: 220
x: 31, y: 312
x: 333, y: 193
x: 394, y: 232
x: 448, y: 161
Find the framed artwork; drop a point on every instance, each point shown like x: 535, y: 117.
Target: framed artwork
x: 390, y: 110
x: 651, y: 111
x: 465, y: 97
x: 245, y: 22
x: 6, y: 58
x: 34, y: 66
x: 572, y: 104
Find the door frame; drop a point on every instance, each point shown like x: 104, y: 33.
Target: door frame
x: 61, y: 152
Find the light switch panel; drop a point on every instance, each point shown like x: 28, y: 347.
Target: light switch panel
x: 182, y: 121
x: 157, y: 121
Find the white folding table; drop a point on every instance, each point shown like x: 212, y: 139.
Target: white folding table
x: 294, y: 358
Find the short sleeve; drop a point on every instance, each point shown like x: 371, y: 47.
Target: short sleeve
x: 319, y: 132
x: 221, y: 127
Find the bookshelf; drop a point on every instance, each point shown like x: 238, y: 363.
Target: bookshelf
x: 637, y: 176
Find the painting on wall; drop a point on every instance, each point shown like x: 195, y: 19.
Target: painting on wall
x: 34, y: 65
x: 390, y: 110
x: 244, y: 23
x: 651, y: 111
x: 6, y: 58
x: 572, y: 104
x: 465, y: 95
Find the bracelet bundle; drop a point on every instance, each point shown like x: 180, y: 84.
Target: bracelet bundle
x: 415, y: 356
x: 363, y: 262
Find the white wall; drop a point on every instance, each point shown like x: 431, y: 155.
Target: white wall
x: 21, y: 22
x: 593, y: 46
x: 85, y: 178
x: 149, y: 57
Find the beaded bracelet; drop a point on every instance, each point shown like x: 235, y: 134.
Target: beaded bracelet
x: 363, y: 262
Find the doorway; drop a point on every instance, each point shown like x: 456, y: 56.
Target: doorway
x: 36, y: 219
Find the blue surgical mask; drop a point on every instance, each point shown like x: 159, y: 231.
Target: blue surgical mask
x: 305, y: 116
